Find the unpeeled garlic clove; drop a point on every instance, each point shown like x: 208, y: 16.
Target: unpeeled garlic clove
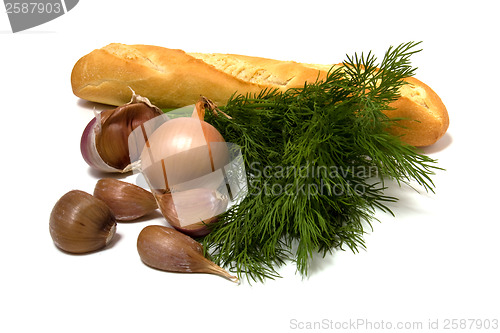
x: 191, y: 211
x: 170, y: 250
x: 81, y: 223
x: 127, y: 201
x: 104, y: 142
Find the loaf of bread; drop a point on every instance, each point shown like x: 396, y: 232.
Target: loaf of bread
x: 173, y: 78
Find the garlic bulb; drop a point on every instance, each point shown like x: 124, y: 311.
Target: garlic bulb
x: 191, y: 211
x: 104, y: 142
x: 127, y: 201
x: 169, y: 250
x: 81, y: 223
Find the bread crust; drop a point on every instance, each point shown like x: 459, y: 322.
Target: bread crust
x: 169, y: 78
x: 172, y: 78
x: 425, y: 116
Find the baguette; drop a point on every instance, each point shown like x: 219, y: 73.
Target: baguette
x: 172, y: 78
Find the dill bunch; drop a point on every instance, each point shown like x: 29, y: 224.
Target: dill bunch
x: 316, y: 158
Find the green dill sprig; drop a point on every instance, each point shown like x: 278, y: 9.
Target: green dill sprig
x: 316, y: 160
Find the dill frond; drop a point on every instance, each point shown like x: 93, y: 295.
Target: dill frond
x: 331, y: 139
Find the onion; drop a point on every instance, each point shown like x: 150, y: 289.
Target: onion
x: 183, y: 162
x: 182, y: 150
x: 104, y: 142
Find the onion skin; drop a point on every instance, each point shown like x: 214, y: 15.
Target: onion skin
x: 180, y: 150
x: 183, y: 162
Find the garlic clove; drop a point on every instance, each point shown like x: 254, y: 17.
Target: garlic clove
x: 116, y: 125
x: 89, y: 150
x: 81, y: 223
x: 104, y: 143
x: 169, y: 250
x: 127, y: 201
x: 191, y: 211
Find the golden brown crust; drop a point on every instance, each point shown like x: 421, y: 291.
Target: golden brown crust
x: 265, y: 72
x: 173, y: 78
x: 169, y: 78
x: 426, y: 117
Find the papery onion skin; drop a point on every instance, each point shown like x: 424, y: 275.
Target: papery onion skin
x: 185, y: 157
x: 180, y: 145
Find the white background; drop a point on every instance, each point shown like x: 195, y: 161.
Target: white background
x: 436, y: 260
